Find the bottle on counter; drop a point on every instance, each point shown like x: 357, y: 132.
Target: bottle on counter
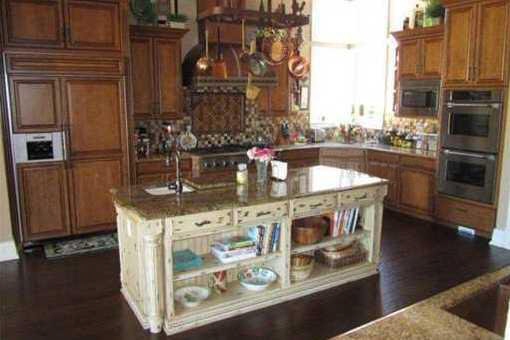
x: 242, y: 174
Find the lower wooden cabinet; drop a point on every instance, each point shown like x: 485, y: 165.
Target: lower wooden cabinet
x: 352, y: 159
x: 299, y: 158
x: 91, y: 182
x: 387, y: 171
x: 456, y: 212
x: 417, y: 189
x: 44, y: 200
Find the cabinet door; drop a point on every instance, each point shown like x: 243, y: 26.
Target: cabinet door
x: 142, y: 71
x: 93, y: 25
x: 460, y: 45
x: 95, y: 114
x: 35, y: 104
x: 150, y: 179
x: 409, y: 58
x: 280, y: 95
x: 432, y: 50
x: 44, y: 201
x: 91, y: 182
x: 389, y: 172
x: 34, y: 23
x: 492, y: 43
x: 417, y: 190
x: 167, y: 55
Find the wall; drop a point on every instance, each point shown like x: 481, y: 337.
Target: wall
x: 7, y: 247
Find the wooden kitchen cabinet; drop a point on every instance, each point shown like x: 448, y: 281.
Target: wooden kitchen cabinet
x: 95, y: 111
x: 351, y: 159
x: 417, y: 185
x: 91, y: 182
x: 420, y: 53
x: 476, y: 43
x: 156, y: 171
x: 299, y: 158
x: 385, y: 166
x: 44, y: 200
x: 35, y: 104
x: 156, y: 72
x: 276, y: 101
x: 71, y: 24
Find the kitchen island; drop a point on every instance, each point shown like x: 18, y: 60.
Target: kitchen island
x: 152, y: 228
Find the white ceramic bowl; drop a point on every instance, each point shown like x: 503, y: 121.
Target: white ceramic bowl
x: 192, y: 296
x: 257, y: 278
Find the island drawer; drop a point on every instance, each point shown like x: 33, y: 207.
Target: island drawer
x: 316, y: 205
x: 360, y: 196
x: 202, y: 223
x: 261, y: 212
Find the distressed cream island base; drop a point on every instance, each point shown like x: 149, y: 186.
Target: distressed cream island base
x: 151, y: 228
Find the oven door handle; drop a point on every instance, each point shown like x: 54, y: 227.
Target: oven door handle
x: 490, y: 106
x: 473, y: 155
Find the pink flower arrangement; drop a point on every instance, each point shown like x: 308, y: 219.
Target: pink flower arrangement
x: 262, y: 155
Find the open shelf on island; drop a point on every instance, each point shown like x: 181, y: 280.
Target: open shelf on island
x: 321, y: 270
x: 329, y: 242
x: 235, y: 292
x: 211, y: 265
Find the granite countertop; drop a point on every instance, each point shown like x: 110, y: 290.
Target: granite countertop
x: 366, y: 146
x: 430, y: 319
x: 300, y: 183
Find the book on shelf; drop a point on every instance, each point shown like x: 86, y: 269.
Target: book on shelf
x: 266, y: 238
x: 186, y: 260
x: 230, y: 256
x: 344, y: 222
x: 234, y: 242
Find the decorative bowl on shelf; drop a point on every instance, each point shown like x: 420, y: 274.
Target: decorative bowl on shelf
x: 192, y: 296
x: 257, y: 278
x: 301, y: 267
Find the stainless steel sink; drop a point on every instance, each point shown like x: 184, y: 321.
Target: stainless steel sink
x: 164, y: 191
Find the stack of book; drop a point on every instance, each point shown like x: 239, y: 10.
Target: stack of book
x: 266, y: 238
x: 344, y: 222
x: 232, y: 249
x: 186, y: 260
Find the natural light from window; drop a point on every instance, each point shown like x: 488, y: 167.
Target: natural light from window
x: 353, y: 60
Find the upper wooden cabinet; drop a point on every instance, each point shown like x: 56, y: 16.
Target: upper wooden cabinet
x: 35, y: 104
x: 156, y: 72
x: 276, y: 100
x: 476, y: 43
x: 73, y: 24
x: 420, y: 53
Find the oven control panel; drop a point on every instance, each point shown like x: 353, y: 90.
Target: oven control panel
x: 222, y: 163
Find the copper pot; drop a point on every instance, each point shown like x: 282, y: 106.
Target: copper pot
x: 204, y: 65
x: 299, y: 66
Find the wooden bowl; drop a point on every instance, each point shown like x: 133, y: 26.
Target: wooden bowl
x: 309, y: 230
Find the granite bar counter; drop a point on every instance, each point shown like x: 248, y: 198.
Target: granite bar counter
x: 152, y: 229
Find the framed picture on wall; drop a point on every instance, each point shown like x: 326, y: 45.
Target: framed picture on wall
x: 304, y: 98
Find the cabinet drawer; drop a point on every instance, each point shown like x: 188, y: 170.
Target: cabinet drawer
x: 159, y: 167
x: 261, y: 212
x: 382, y: 157
x: 465, y: 214
x: 361, y: 196
x: 202, y: 223
x: 419, y: 163
x: 314, y: 205
x: 343, y: 152
x: 298, y: 154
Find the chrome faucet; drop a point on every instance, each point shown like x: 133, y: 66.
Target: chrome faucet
x: 177, y: 185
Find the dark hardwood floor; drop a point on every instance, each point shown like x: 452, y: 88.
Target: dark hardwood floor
x: 78, y: 298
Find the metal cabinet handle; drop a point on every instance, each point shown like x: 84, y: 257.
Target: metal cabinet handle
x: 315, y: 206
x: 362, y: 197
x: 266, y: 213
x: 201, y: 224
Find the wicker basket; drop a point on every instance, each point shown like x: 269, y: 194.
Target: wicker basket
x: 341, y: 258
x: 301, y: 267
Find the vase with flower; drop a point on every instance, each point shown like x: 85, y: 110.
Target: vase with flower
x: 262, y: 157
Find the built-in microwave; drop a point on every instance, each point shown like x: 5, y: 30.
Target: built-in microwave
x: 38, y: 147
x: 471, y: 120
x: 419, y: 98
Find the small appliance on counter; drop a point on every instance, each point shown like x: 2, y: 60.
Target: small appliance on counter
x: 470, y: 138
x: 38, y: 147
x: 316, y: 135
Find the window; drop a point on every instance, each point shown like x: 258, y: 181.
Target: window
x: 353, y: 60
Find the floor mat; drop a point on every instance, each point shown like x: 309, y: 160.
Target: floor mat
x: 80, y: 246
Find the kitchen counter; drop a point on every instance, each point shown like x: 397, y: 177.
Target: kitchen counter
x: 430, y: 319
x: 374, y: 147
x: 300, y: 183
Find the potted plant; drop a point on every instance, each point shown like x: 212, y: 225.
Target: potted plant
x: 177, y: 20
x: 143, y: 11
x: 434, y: 13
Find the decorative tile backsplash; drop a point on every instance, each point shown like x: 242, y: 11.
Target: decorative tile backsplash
x: 258, y: 128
